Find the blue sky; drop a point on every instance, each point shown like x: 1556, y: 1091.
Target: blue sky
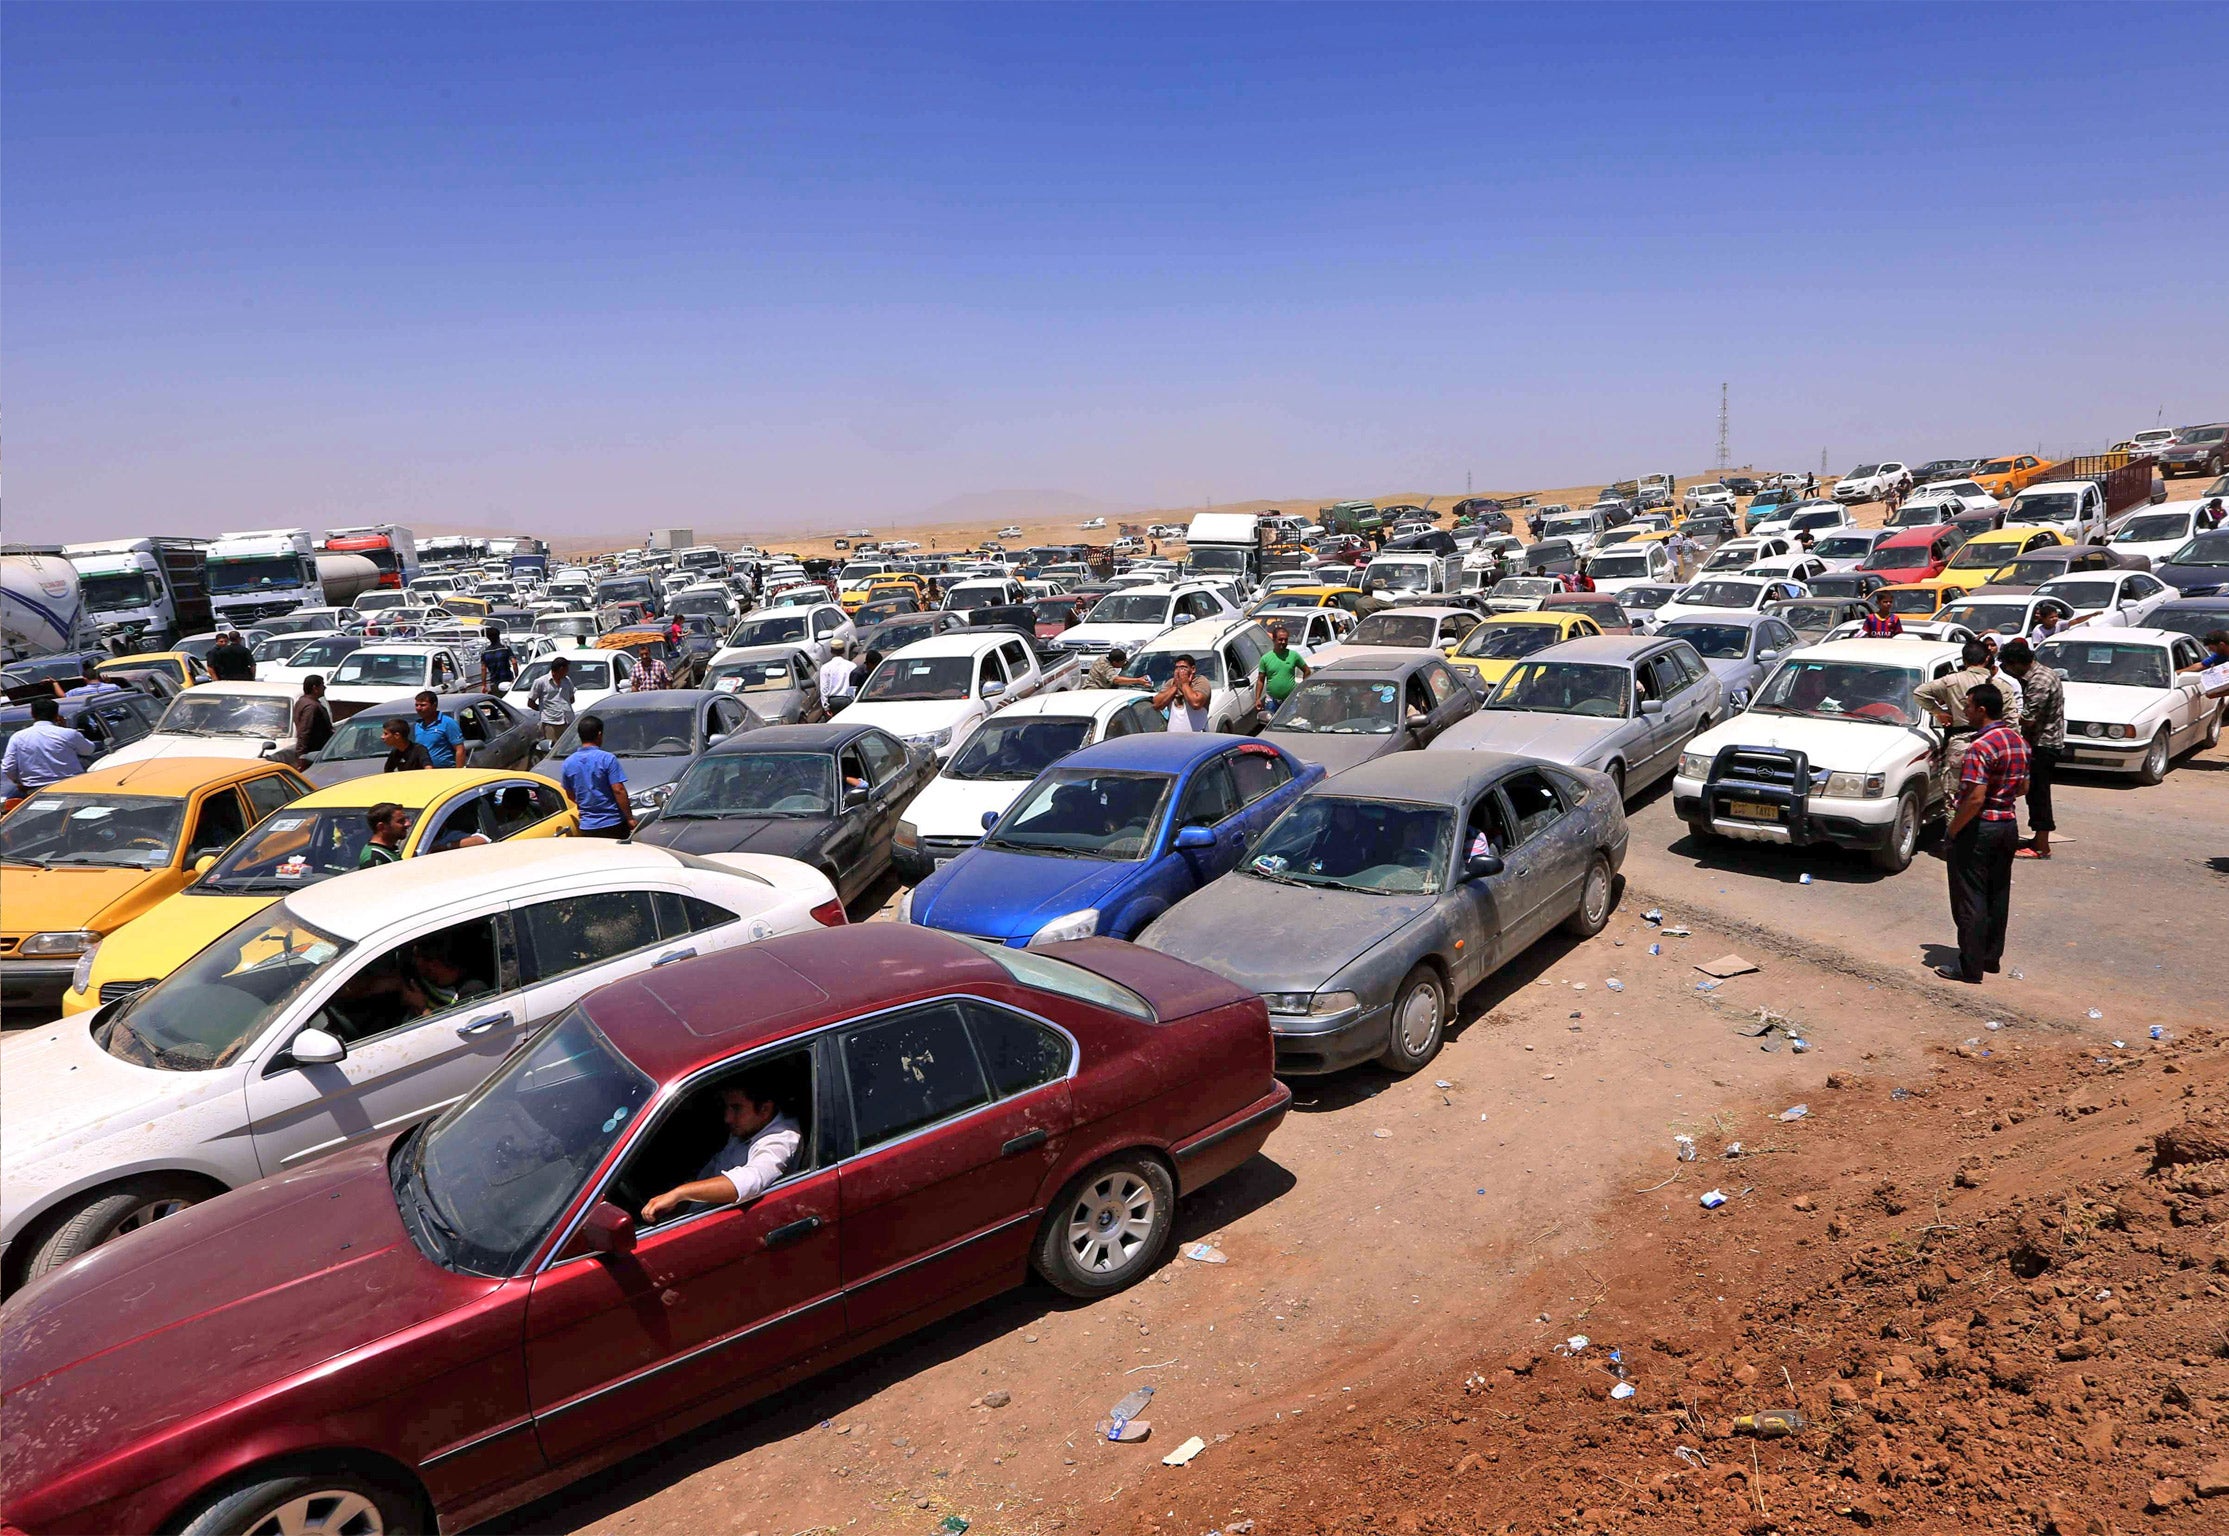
x: 578, y: 268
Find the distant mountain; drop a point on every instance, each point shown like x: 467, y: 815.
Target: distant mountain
x: 1016, y: 507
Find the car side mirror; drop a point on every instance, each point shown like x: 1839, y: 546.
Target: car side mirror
x: 1188, y: 838
x: 205, y: 863
x: 994, y: 690
x: 1652, y: 706
x: 607, y: 1230
x: 1482, y: 866
x: 990, y: 820
x: 315, y: 1048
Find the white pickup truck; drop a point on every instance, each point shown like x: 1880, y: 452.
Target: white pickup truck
x: 1832, y: 749
x: 2076, y: 508
x: 934, y: 692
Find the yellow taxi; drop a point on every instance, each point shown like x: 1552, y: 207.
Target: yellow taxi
x: 180, y: 667
x: 315, y: 838
x: 854, y: 597
x: 1348, y: 598
x: 82, y: 858
x: 1924, y: 599
x: 896, y: 584
x: 475, y: 609
x: 1502, y: 641
x: 2004, y: 477
x: 1980, y: 558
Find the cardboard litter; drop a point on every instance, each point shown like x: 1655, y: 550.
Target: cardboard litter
x: 1727, y: 965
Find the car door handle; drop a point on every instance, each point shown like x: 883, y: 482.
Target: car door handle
x: 796, y: 1231
x: 1022, y: 1143
x: 672, y: 955
x: 482, y: 1025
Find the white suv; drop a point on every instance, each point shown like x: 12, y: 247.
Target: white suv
x: 1871, y: 482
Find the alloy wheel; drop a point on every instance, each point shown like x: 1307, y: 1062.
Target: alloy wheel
x: 1111, y: 1223
x: 149, y: 1213
x: 335, y: 1512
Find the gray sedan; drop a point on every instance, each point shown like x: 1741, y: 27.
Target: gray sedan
x: 1739, y: 648
x: 1623, y: 705
x: 777, y: 683
x: 497, y: 734
x: 1380, y: 897
x: 1363, y: 707
x: 655, y: 735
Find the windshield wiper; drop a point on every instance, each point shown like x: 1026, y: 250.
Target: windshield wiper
x: 31, y: 859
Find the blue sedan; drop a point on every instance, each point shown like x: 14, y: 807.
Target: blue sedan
x: 1109, y: 838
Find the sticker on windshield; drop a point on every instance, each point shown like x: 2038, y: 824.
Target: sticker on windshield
x: 1271, y: 863
x: 1385, y: 692
x: 2100, y: 655
x: 289, y: 823
x: 93, y: 813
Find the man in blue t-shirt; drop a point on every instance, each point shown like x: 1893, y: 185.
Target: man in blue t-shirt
x: 597, y: 783
x: 438, y: 733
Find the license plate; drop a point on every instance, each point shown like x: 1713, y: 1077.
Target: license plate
x: 1750, y: 810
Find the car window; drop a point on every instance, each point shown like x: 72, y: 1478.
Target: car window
x: 512, y: 808
x: 853, y: 766
x: 1257, y: 771
x: 726, y: 716
x: 824, y: 624
x: 1209, y: 797
x: 1441, y: 682
x: 1144, y: 717
x: 1489, y: 819
x: 1669, y: 678
x: 123, y: 723
x: 885, y: 758
x: 435, y: 973
x: 571, y: 932
x: 1017, y: 663
x: 1018, y: 1054
x: 217, y: 826
x: 910, y: 1071
x: 1532, y: 799
x: 989, y: 672
x: 460, y: 819
x: 268, y: 793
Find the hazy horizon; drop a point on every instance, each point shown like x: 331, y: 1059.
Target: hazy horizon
x: 581, y: 269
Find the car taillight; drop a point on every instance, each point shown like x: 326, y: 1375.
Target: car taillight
x: 830, y: 914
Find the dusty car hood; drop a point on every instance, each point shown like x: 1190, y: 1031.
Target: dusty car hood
x: 955, y: 807
x: 995, y: 894
x: 2114, y: 704
x: 786, y: 836
x: 1279, y: 938
x: 1558, y: 738
x: 1334, y: 751
x: 1847, y: 746
x: 74, y: 896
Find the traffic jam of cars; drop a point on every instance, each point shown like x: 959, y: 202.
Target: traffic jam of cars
x: 472, y: 1017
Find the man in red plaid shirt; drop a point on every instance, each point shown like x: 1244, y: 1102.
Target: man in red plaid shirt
x: 652, y: 674
x: 1984, y: 832
x: 1882, y: 623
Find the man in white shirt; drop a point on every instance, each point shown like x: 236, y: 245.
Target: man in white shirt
x: 835, y: 675
x: 762, y: 1143
x: 1184, y: 698
x: 43, y: 752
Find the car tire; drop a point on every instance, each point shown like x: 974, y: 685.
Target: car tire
x: 1108, y: 1227
x: 341, y: 1501
x: 2153, y: 769
x: 1701, y: 830
x: 99, y: 1215
x: 1616, y: 771
x: 1416, y: 1027
x: 1597, y: 894
x: 1895, y: 856
x: 2213, y: 730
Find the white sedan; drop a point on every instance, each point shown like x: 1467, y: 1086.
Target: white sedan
x: 1846, y: 549
x: 2130, y: 708
x: 2109, y: 597
x: 1715, y: 596
x: 290, y: 658
x: 2154, y: 533
x: 596, y: 675
x: 348, y: 1011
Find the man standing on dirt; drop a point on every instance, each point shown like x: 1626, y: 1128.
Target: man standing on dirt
x: 1945, y: 699
x: 1984, y: 832
x: 2043, y: 727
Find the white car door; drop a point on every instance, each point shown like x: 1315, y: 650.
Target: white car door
x: 425, y: 1013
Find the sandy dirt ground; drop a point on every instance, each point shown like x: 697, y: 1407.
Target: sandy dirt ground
x: 1959, y: 1263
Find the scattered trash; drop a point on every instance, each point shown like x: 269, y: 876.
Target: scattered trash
x: 2104, y: 1295
x: 1772, y: 1424
x: 1994, y: 1024
x: 1691, y: 1456
x: 1122, y: 1422
x: 1381, y: 1133
x: 1622, y: 1391
x: 2120, y: 1045
x: 1900, y: 1094
x: 1576, y: 1344
x: 1676, y: 932
x: 1713, y: 1199
x: 1206, y: 1253
x: 2095, y: 1014
x: 1795, y: 1112
x: 1727, y: 966
x: 1653, y: 915
x: 1578, y: 986
x: 1706, y: 986
x: 1798, y: 1044
x: 1616, y: 985
x: 1184, y: 1452
x: 1442, y: 1083
x: 1656, y: 949
x: 2019, y: 975
x: 1686, y: 1145
x: 1575, y: 1013
x: 953, y: 1525
x: 1733, y: 1149
x: 1803, y: 879
x: 2159, y: 1031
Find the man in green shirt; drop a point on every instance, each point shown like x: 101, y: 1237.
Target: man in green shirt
x: 1282, y: 667
x: 390, y: 824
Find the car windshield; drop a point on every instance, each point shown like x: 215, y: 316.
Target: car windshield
x: 1575, y: 527
x: 771, y: 630
x: 1995, y: 467
x: 895, y: 637
x: 1086, y: 814
x: 1526, y: 586
x: 1018, y: 747
x: 1902, y: 557
x: 754, y: 784
x: 324, y: 653
x: 1721, y: 594
x: 771, y: 675
x: 967, y: 596
x: 2206, y: 549
x: 1863, y: 470
x: 257, y: 575
x: 2115, y: 665
x: 110, y: 831
x: 1337, y: 706
x: 357, y: 738
x: 2206, y: 435
x: 1981, y: 556
x: 1504, y: 640
x: 588, y: 676
x: 291, y: 849
x: 1988, y: 618
x: 581, y: 628
x: 1052, y: 610
x: 1564, y: 688
x: 915, y: 679
x: 1720, y: 642
x: 1810, y: 617
x: 400, y: 669
x: 1833, y: 690
x: 1845, y: 546
x: 1157, y: 667
x: 1734, y: 556
x: 214, y: 1006
x: 481, y: 1186
x: 1132, y: 608
x: 2078, y: 593
x: 1357, y: 845
x: 638, y: 733
x: 2154, y: 528
x: 2052, y: 507
x: 1646, y: 598
x: 1412, y: 630
x: 206, y: 712
x: 2197, y: 622
x: 1619, y: 563
x: 701, y: 603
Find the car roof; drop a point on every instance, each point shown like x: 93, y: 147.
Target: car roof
x: 1434, y: 778
x: 404, y: 647
x: 1148, y: 751
x: 1200, y: 632
x: 1377, y: 663
x: 2216, y: 603
x: 1748, y: 618
x: 972, y: 641
x: 2142, y: 636
x: 1606, y: 649
x: 169, y: 776
x: 1092, y: 702
x: 413, y: 790
x: 1560, y: 617
x: 1899, y: 653
x: 825, y: 736
x: 408, y: 705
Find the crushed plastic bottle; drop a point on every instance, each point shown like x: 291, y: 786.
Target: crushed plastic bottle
x: 1994, y: 1024
x: 1803, y: 879
x: 1616, y: 985
x: 1656, y: 949
x: 1653, y: 915
x: 1798, y: 1044
x: 2159, y: 1031
x: 2096, y: 1014
x: 1622, y: 1391
x: 1771, y: 1424
x: 1713, y: 1199
x: 1686, y: 1146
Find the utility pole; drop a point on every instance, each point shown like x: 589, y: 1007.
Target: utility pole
x: 1822, y: 461
x: 1722, y: 429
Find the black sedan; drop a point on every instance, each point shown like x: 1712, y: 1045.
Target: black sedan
x: 829, y: 795
x: 656, y: 734
x: 497, y: 734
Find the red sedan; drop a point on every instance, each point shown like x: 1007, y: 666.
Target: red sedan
x: 438, y: 1326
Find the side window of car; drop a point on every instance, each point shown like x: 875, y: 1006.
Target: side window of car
x: 1017, y: 661
x: 513, y: 808
x: 460, y: 819
x: 268, y: 793
x: 1257, y: 771
x: 910, y: 1071
x: 1018, y: 1054
x: 2144, y: 586
x: 1488, y: 819
x: 727, y: 716
x: 2185, y: 652
x: 471, y: 725
x: 1664, y: 675
x: 824, y: 624
x: 1441, y: 682
x: 885, y: 758
x: 435, y: 973
x: 217, y: 826
x: 1209, y: 797
x: 123, y: 723
x: 572, y: 932
x: 1120, y: 723
x: 679, y: 915
x: 1533, y: 802
x: 1145, y: 718
x: 1691, y: 661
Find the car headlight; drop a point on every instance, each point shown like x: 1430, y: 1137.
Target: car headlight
x: 81, y: 978
x: 1854, y: 786
x: 1073, y: 925
x: 2094, y: 728
x: 905, y: 905
x: 1694, y: 765
x: 1318, y: 1005
x: 931, y: 741
x: 58, y: 944
x: 655, y: 797
x: 2118, y: 732
x: 908, y: 837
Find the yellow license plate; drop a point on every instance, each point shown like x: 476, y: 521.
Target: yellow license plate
x: 1750, y: 810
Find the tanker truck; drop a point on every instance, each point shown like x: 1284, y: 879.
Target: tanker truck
x: 344, y: 578
x: 42, y: 608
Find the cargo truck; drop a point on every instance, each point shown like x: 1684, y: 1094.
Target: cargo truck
x: 42, y: 610
x: 1225, y: 546
x: 677, y: 538
x: 261, y: 574
x: 389, y: 546
x: 145, y: 594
